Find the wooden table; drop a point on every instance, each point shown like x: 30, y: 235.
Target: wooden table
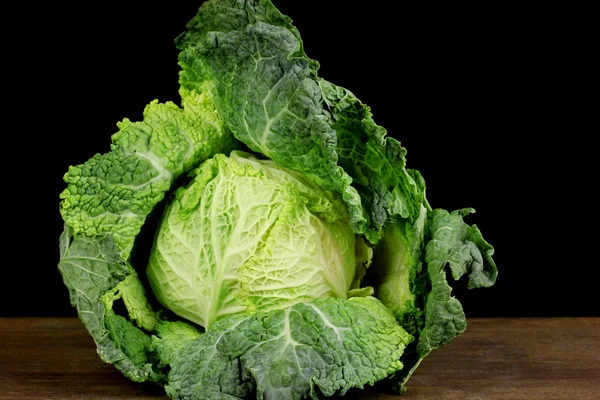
x: 544, y: 358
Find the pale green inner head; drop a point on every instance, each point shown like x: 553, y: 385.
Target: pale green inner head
x: 247, y: 235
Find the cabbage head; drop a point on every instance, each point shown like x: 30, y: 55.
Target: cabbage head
x: 247, y: 235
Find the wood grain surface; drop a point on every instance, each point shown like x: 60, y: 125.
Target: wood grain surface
x: 499, y: 358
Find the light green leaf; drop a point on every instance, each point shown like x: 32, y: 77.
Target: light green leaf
x: 397, y: 265
x: 171, y: 338
x: 110, y: 196
x: 247, y: 235
x: 114, y: 192
x: 133, y: 293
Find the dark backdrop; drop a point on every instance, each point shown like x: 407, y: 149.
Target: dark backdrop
x: 482, y: 98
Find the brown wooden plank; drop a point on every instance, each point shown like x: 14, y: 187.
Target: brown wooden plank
x: 55, y: 358
x: 529, y: 358
x: 550, y: 358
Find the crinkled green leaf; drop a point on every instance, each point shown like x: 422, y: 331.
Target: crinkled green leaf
x: 376, y: 163
x: 397, y: 266
x: 114, y: 192
x: 133, y: 293
x: 328, y: 346
x: 265, y: 89
x: 202, y: 370
x: 91, y: 268
x: 106, y: 203
x: 409, y: 274
x: 232, y: 15
x: 170, y: 338
x: 462, y: 249
x: 271, y: 98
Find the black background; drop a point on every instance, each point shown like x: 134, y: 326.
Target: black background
x: 488, y: 101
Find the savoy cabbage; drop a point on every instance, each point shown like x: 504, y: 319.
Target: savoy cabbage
x: 293, y: 253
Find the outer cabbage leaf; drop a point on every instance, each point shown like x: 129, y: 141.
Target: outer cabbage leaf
x: 108, y: 199
x: 265, y: 89
x: 115, y: 192
x: 462, y: 248
x: 171, y: 338
x: 272, y: 99
x: 397, y: 273
x: 410, y: 278
x: 328, y: 346
x: 247, y: 235
x: 233, y: 15
x: 92, y: 269
x: 376, y: 163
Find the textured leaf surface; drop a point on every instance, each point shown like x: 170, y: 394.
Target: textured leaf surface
x: 170, y: 338
x: 272, y: 99
x: 326, y: 346
x: 246, y: 235
x: 91, y: 269
x: 410, y: 274
x: 266, y: 90
x: 397, y: 264
x: 104, y: 206
x: 376, y: 162
x: 114, y: 192
x: 462, y: 248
